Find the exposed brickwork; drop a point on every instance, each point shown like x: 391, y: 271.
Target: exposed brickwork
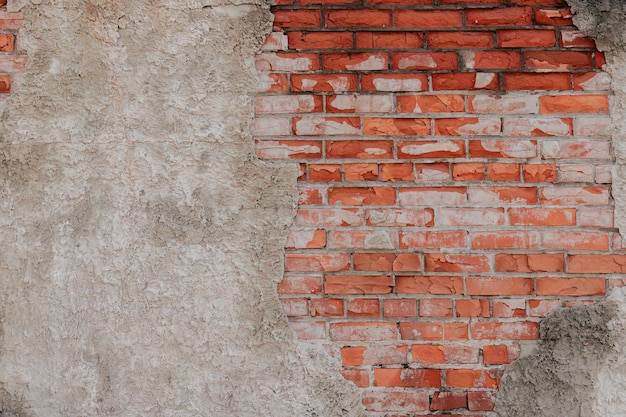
x: 11, y: 59
x: 454, y: 189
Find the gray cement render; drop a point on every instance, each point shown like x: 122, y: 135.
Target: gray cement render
x: 141, y: 241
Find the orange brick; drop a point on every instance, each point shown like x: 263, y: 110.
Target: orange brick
x: 429, y: 18
x: 396, y: 172
x: 598, y: 103
x: 464, y: 39
x: 329, y: 217
x: 440, y: 354
x: 431, y: 149
x: 470, y: 378
x: 364, y: 307
x: 499, y: 286
x: 373, y: 261
x: 498, y: 354
x: 434, y: 239
x: 286, y: 61
x: 503, y: 172
x: 352, y: 355
x: 571, y: 286
x: 407, y: 377
x: 319, y: 40
x: 349, y: 284
x: 542, y: 217
x: 539, y: 173
x: 306, y: 239
x: 361, y: 172
x: 588, y: 196
x: 295, y: 284
x: 399, y: 217
x: 326, y: 307
x: 360, y: 377
x: 502, y: 195
x: 407, y: 262
x: 499, y: 16
x: 397, y: 401
x: 470, y: 216
x: 362, y: 149
x: 435, y: 307
x: 431, y: 103
x: 388, y: 40
x: 466, y: 126
x: 530, y: 81
x: 421, y: 331
x: 324, y: 173
x: 425, y: 60
x: 525, y: 38
x: 439, y: 262
x: 323, y: 82
x: 429, y: 285
x: 400, y: 308
x: 492, y: 60
x: 362, y: 196
x: 465, y: 81
x: 396, y: 127
x: 358, y: 18
x: 363, y: 331
x: 364, y: 61
x: 541, y: 308
x: 523, y: 330
x: 394, y: 82
x: 432, y: 196
x: 591, y: 241
x: 471, y: 171
x: 507, y: 308
x: 558, y: 60
x: 602, y: 264
x: 317, y: 262
x: 472, y: 308
x: 317, y: 125
x: 504, y: 240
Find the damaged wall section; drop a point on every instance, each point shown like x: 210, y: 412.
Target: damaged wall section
x: 141, y: 240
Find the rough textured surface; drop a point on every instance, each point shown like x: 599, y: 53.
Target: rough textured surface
x: 141, y: 240
x: 605, y: 21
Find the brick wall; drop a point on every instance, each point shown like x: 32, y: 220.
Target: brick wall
x: 11, y: 60
x: 455, y: 170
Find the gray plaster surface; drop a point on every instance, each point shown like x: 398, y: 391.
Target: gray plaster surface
x: 140, y: 239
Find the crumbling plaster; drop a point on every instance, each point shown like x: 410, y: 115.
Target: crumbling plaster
x: 141, y: 241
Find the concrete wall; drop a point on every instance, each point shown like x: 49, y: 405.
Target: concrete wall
x: 141, y: 240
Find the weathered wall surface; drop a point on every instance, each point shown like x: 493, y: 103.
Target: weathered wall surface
x: 140, y: 240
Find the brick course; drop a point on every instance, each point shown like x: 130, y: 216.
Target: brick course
x: 454, y: 189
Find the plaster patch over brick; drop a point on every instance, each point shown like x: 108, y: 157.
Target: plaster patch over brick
x: 141, y: 240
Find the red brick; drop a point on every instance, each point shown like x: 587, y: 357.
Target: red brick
x: 468, y: 171
x: 590, y: 81
x: 286, y: 149
x: 400, y: 308
x: 463, y: 216
x: 360, y: 377
x: 355, y: 103
x: 428, y: 18
x: 407, y: 377
x: 388, y: 40
x: 465, y: 81
x: 538, y: 2
x: 394, y: 82
x: 317, y: 262
x: 373, y: 261
x: 385, y: 355
x: 459, y: 39
x: 513, y: 16
x: 481, y: 400
x: 530, y: 81
x: 498, y: 354
x: 352, y: 355
x: 468, y: 126
x: 431, y: 149
x: 324, y: 173
x: 396, y: 401
x: 379, y: 18
x: 504, y: 104
x: 502, y: 195
x: 421, y: 331
x: 358, y: 196
x: 326, y: 2
x: 541, y: 308
x: 425, y: 60
x: 441, y: 354
x: 329, y: 217
x: 471, y: 378
x: 433, y: 239
x: 576, y: 39
x: 396, y: 172
x: 278, y: 61
x: 432, y: 172
x: 295, y: 284
x: 432, y: 196
x: 431, y: 103
x: 472, y: 308
x: 326, y: 307
x: 396, y: 127
x: 310, y: 195
x: 323, y: 82
x: 363, y: 331
x: 361, y: 172
x: 407, y: 262
x: 440, y: 262
x: 574, y: 104
x: 488, y: 330
x: 504, y: 240
x: 591, y: 241
x: 276, y: 83
x: 364, y: 307
x: 507, y: 308
x: 538, y: 126
x: 590, y: 196
x: 526, y: 38
x: 429, y: 285
x: 317, y: 125
x: 499, y: 286
x: 448, y: 400
x: 542, y: 217
x: 306, y: 239
x: 503, y: 172
x: 10, y: 20
x: 297, y: 18
x: 288, y: 104
x: 319, y: 40
x: 435, y: 307
x: 362, y: 149
x: 295, y: 307
x: 492, y: 60
x: 349, y: 284
x: 7, y: 42
x: 539, y: 173
x: 571, y: 286
x: 554, y: 17
x: 455, y: 331
x: 400, y: 217
x: 558, y: 60
x: 411, y: 2
x: 364, y: 61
